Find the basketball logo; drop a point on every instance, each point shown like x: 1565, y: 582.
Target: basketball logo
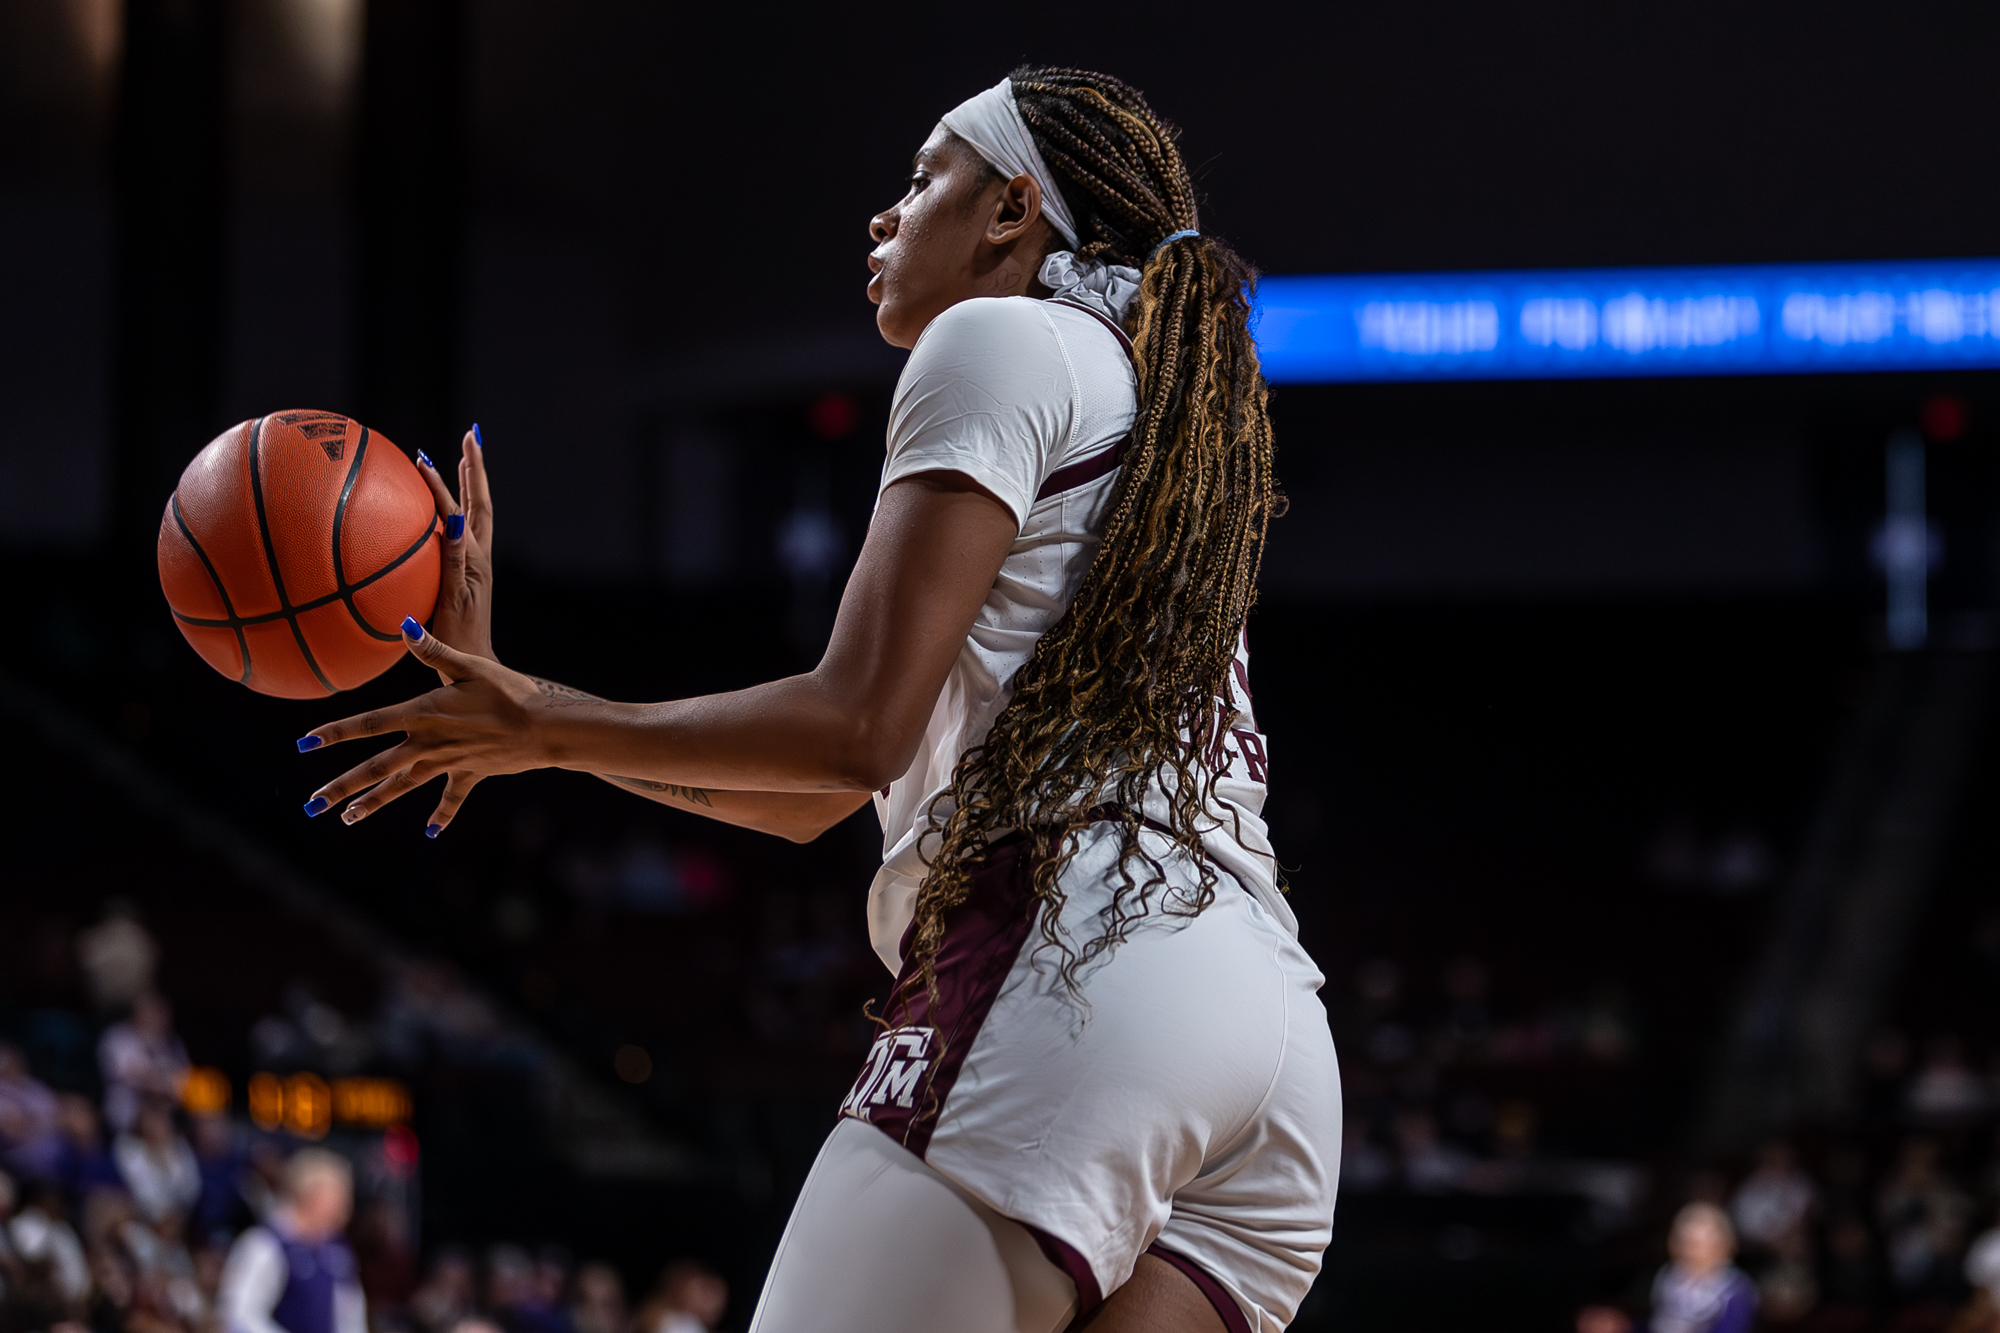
x: 326, y: 429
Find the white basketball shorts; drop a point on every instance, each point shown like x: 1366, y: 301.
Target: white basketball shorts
x: 1185, y: 1101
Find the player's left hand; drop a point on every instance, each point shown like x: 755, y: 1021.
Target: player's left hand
x: 479, y: 724
x: 464, y: 615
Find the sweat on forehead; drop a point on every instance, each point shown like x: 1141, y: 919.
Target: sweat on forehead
x: 945, y: 147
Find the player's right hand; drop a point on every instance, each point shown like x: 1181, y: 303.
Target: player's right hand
x: 482, y: 722
x: 464, y: 615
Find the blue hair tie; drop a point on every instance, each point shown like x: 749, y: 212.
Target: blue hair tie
x: 1177, y: 236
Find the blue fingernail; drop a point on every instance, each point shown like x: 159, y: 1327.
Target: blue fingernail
x: 475, y: 436
x: 432, y: 830
x: 454, y: 527
x: 425, y: 459
x: 411, y: 628
x: 309, y: 743
x: 316, y: 806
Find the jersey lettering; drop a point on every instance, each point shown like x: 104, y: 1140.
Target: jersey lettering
x: 1219, y: 753
x: 1251, y: 747
x: 899, y: 1082
x: 896, y: 1064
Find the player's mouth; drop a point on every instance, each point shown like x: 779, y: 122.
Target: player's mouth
x: 875, y: 266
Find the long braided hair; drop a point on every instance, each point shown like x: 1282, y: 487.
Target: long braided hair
x: 1126, y: 689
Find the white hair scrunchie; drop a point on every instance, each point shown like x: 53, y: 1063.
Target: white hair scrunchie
x: 992, y: 124
x: 1109, y: 289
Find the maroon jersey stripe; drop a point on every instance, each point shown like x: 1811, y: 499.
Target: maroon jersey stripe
x: 1124, y: 341
x: 1084, y: 471
x: 1102, y: 464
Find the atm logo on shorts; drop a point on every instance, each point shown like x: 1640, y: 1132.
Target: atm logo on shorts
x: 896, y: 1064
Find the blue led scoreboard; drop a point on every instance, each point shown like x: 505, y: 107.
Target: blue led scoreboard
x: 1747, y: 319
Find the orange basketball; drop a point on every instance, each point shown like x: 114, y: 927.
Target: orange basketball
x: 293, y: 548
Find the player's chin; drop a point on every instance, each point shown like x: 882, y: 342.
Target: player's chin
x: 890, y: 319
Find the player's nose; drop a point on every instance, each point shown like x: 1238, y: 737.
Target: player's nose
x: 882, y: 226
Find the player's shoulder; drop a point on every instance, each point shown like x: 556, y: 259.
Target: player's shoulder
x: 1017, y: 324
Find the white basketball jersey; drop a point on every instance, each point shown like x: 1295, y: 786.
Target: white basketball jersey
x: 1024, y: 397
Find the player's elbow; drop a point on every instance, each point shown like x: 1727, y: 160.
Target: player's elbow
x: 803, y: 831
x: 871, y: 772
x: 806, y: 819
x: 873, y: 757
x: 870, y: 734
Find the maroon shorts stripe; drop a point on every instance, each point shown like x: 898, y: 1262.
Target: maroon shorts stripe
x: 1231, y: 1312
x: 915, y: 1060
x: 1064, y: 1256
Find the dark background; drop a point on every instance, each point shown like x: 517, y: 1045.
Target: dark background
x: 1512, y: 636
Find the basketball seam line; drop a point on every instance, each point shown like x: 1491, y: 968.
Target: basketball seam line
x: 316, y: 603
x: 285, y: 607
x: 340, y: 583
x: 234, y: 623
x: 340, y: 510
x: 341, y: 515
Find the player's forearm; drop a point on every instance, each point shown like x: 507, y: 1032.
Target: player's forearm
x: 794, y: 816
x: 854, y: 722
x: 798, y: 735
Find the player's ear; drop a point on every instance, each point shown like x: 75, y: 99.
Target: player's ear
x: 1015, y: 210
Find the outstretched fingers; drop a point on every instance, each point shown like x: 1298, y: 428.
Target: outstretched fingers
x: 403, y: 767
x: 397, y: 784
x: 447, y: 505
x: 457, y: 786
x: 363, y: 776
x: 395, y: 772
x: 453, y: 594
x: 473, y: 486
x: 380, y: 722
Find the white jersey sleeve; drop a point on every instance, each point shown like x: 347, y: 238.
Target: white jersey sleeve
x: 988, y: 392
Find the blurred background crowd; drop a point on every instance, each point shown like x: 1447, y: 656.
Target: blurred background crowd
x: 127, y: 1185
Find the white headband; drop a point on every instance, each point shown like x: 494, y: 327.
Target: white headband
x: 992, y: 124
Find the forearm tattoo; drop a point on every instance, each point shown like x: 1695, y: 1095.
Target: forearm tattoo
x: 562, y: 696
x: 692, y: 795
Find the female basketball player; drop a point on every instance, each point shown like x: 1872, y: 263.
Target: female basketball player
x: 1104, y: 1092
